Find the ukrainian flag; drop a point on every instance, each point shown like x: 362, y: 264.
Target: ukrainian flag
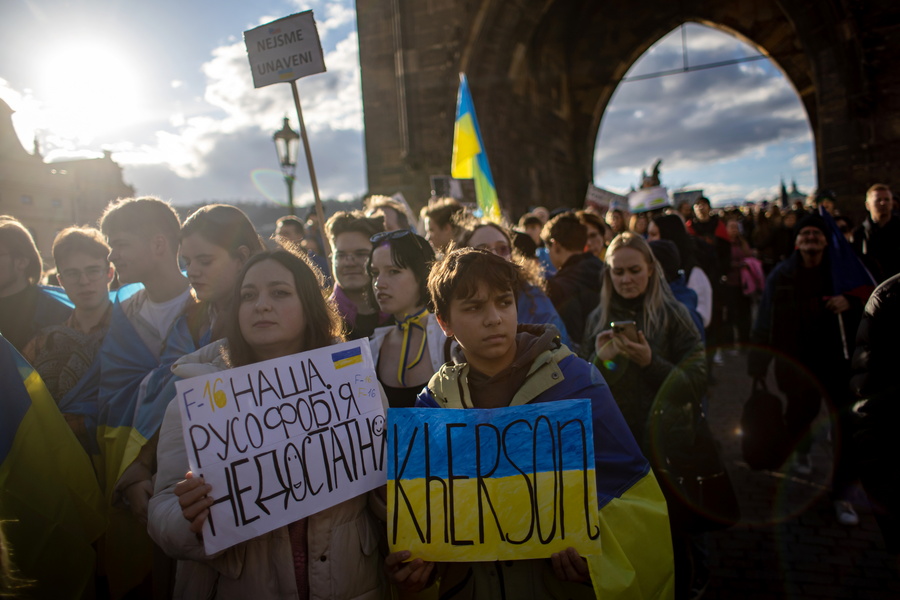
x: 345, y: 358
x: 50, y: 502
x: 469, y: 156
x: 134, y: 390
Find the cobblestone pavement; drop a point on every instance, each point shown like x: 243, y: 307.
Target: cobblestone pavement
x: 789, y: 543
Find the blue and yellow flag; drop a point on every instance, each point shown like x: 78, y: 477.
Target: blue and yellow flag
x: 50, y: 502
x: 469, y: 156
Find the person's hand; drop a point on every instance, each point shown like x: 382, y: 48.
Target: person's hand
x: 413, y: 576
x: 638, y: 352
x: 568, y: 565
x: 137, y: 495
x: 837, y: 304
x: 194, y: 501
x: 605, y: 345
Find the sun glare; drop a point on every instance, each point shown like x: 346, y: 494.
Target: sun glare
x: 89, y: 88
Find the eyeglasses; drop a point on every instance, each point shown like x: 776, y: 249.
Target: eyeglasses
x: 358, y: 256
x: 74, y: 275
x: 389, y: 235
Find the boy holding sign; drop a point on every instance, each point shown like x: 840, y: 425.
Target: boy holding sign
x: 501, y: 364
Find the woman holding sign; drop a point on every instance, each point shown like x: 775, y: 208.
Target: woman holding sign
x: 651, y: 354
x: 278, y: 310
x: 406, y: 354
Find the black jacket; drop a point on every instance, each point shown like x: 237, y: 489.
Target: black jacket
x: 575, y: 292
x: 879, y: 247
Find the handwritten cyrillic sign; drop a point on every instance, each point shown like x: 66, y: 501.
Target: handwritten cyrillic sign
x: 499, y: 484
x: 282, y: 439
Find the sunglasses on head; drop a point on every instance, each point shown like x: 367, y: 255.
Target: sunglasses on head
x: 389, y: 235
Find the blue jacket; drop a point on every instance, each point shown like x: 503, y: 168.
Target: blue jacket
x: 535, y: 308
x: 637, y: 558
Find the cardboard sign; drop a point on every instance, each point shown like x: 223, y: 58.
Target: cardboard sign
x: 603, y: 200
x: 284, y: 50
x: 648, y: 199
x: 499, y: 484
x: 283, y: 439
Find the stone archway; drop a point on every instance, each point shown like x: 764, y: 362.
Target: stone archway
x: 543, y: 71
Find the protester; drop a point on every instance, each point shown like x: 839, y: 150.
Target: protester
x: 738, y: 305
x: 349, y: 234
x: 279, y: 311
x: 395, y: 213
x: 575, y: 289
x: 532, y: 225
x: 596, y: 232
x: 809, y: 330
x: 499, y: 363
x: 876, y: 385
x: 438, y: 221
x: 657, y: 372
x: 615, y: 218
x: 406, y: 354
x: 638, y: 224
x: 532, y: 303
x: 670, y: 227
x: 25, y: 307
x: 877, y: 240
x: 216, y: 241
x: 64, y: 354
x: 143, y: 234
x: 669, y: 259
x: 291, y: 230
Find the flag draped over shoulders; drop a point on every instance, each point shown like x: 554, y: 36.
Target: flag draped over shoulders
x: 134, y: 389
x: 50, y: 502
x: 470, y: 159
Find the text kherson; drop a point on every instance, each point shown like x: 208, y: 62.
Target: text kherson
x: 283, y: 439
x: 492, y: 484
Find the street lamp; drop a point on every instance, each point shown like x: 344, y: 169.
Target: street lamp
x: 286, y: 143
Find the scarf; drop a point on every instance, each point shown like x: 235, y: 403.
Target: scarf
x: 406, y: 325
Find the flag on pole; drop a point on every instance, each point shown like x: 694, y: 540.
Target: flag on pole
x: 469, y: 156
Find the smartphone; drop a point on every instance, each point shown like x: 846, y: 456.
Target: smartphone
x: 626, y: 328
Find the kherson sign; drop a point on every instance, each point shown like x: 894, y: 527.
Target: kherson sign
x: 284, y: 50
x: 282, y: 439
x: 498, y: 484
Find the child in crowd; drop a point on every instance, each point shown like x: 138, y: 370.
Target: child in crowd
x: 500, y: 363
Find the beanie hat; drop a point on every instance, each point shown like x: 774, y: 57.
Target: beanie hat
x: 811, y: 220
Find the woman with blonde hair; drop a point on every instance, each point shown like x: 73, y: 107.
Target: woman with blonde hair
x: 651, y: 355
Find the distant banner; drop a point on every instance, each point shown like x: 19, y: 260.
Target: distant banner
x: 499, y: 484
x: 648, y: 199
x: 603, y: 200
x: 283, y: 439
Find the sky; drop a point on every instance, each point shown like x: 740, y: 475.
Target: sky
x: 166, y: 87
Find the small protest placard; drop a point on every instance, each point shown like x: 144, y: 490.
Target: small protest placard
x: 283, y: 439
x: 648, y: 199
x: 284, y: 50
x: 498, y: 484
x: 602, y: 199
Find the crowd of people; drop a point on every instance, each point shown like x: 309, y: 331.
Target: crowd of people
x: 632, y: 311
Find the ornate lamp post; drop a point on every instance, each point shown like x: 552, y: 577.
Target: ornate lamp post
x: 286, y: 143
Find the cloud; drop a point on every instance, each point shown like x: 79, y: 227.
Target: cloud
x: 240, y: 121
x: 801, y: 161
x: 702, y: 117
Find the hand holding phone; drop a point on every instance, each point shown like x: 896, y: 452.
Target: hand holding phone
x: 626, y: 328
